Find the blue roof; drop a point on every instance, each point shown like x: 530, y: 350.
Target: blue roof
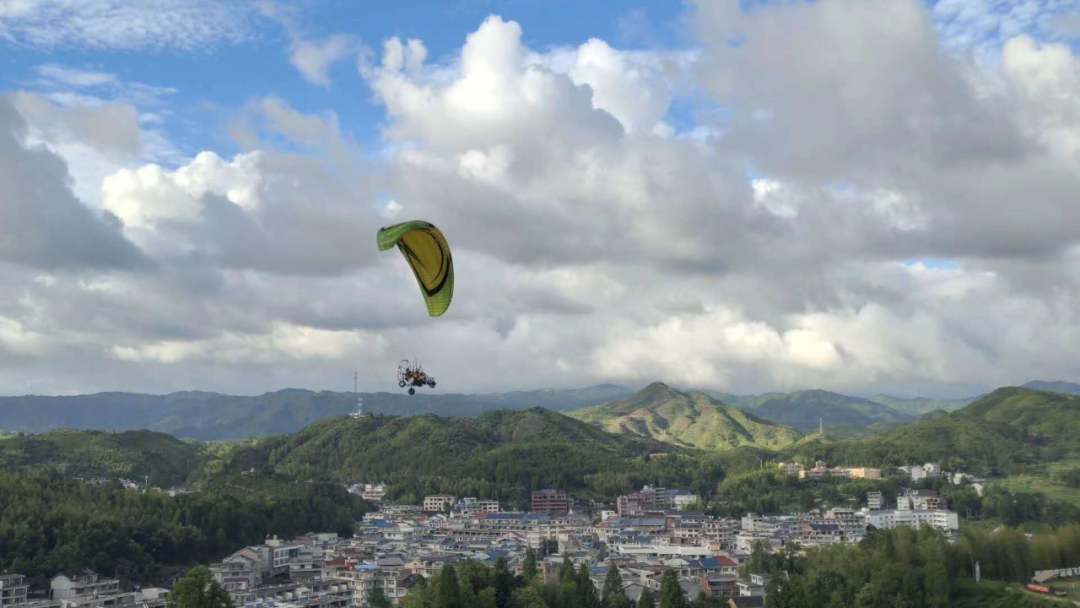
x: 710, y: 562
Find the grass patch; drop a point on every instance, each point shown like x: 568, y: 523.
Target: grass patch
x: 1041, y: 484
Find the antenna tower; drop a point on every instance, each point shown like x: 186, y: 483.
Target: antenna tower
x: 359, y: 400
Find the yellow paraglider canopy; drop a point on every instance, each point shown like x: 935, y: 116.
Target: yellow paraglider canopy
x: 428, y: 254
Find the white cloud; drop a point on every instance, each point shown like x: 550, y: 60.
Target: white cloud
x: 189, y: 25
x: 592, y: 241
x: 314, y: 58
x: 110, y: 127
x: 45, y: 225
x: 282, y: 343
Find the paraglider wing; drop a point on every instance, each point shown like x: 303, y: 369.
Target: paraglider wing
x: 428, y: 254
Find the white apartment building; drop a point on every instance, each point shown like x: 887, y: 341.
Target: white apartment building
x: 943, y: 520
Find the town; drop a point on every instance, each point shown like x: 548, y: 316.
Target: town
x: 643, y: 534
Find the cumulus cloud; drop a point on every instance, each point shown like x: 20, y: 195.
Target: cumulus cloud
x: 768, y: 247
x: 97, y: 122
x: 44, y: 225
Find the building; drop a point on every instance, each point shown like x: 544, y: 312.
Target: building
x: 12, y: 590
x: 82, y: 583
x: 551, y: 502
x: 472, y: 505
x: 682, y: 500
x: 653, y: 500
x: 103, y: 601
x: 437, y: 503
x: 791, y: 468
x: 821, y: 470
x: 374, y: 491
x: 875, y: 501
x: 821, y: 534
x: 925, y: 499
x: 862, y: 472
x: 917, y: 472
x: 943, y: 520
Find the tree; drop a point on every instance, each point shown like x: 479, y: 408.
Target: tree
x: 613, y: 586
x: 646, y: 601
x: 447, y: 593
x: 586, y: 588
x: 528, y: 567
x: 198, y: 589
x: 566, y: 571
x: 504, y: 583
x: 378, y: 599
x: 671, y: 595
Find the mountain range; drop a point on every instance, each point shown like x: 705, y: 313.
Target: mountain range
x: 691, y: 419
x: 1068, y: 388
x: 806, y: 410
x: 507, y: 453
x: 214, y: 416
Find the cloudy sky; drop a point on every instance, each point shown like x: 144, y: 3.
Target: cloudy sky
x: 858, y: 195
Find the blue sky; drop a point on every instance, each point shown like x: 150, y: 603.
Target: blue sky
x: 861, y: 196
x: 214, y: 79
x: 214, y: 82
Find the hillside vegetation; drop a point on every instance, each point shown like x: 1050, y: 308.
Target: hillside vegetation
x: 133, y: 454
x: 48, y: 525
x: 1006, y: 431
x: 686, y: 419
x: 502, y: 454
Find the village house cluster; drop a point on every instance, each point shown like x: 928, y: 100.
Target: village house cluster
x: 643, y: 534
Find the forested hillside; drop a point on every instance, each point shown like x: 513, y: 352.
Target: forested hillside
x: 1003, y: 432
x: 686, y: 419
x: 48, y: 524
x: 133, y: 454
x: 502, y: 454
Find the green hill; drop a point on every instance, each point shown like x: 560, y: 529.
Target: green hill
x: 504, y: 454
x: 686, y: 419
x: 131, y: 454
x: 1004, y: 431
x: 918, y: 406
x: 803, y: 409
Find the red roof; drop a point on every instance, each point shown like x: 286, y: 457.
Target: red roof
x: 726, y: 562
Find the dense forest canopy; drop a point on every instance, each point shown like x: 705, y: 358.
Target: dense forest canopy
x: 48, y: 524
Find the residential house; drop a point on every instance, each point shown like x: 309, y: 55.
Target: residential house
x: 81, y: 583
x: 13, y: 590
